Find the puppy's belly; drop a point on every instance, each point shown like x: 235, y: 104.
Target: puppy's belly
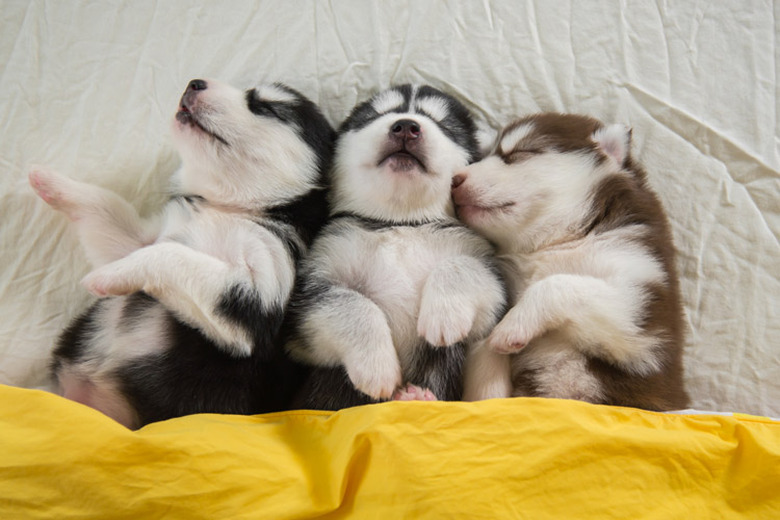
x: 401, y: 306
x: 551, y: 367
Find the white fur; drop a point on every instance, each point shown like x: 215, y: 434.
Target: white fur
x: 361, y: 185
x: 487, y: 374
x: 560, y: 372
x: 353, y: 331
x: 510, y: 139
x: 113, y: 344
x: 387, y: 101
x: 391, y: 290
x: 538, y: 204
x: 435, y: 108
x: 571, y: 296
x: 188, y: 257
x: 108, y: 226
x: 274, y: 93
x: 247, y: 172
x: 486, y: 138
x: 394, y: 288
x: 614, y: 140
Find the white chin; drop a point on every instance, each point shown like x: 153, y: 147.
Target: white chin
x: 402, y: 164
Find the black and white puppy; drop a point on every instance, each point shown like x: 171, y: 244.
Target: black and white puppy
x: 395, y: 289
x: 587, y: 252
x: 194, y: 298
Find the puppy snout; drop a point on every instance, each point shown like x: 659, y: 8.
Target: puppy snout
x: 406, y: 129
x: 197, y: 84
x: 458, y: 179
x: 188, y: 99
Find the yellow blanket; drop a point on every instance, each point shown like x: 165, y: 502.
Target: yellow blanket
x: 510, y: 458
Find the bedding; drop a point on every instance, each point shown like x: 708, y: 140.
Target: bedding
x: 501, y: 458
x: 90, y: 88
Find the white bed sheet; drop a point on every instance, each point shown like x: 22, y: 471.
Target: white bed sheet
x: 90, y: 88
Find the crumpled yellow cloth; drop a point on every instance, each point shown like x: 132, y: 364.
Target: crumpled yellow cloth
x: 508, y: 458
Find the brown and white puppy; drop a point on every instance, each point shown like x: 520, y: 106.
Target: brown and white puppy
x: 587, y: 253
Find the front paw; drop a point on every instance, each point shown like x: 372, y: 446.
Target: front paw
x: 376, y: 376
x: 445, y: 322
x: 507, y: 338
x: 113, y: 279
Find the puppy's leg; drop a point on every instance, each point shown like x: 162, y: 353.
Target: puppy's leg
x: 193, y: 285
x: 343, y: 327
x: 486, y: 374
x: 461, y: 295
x: 437, y: 370
x: 102, y: 397
x: 599, y: 318
x: 108, y: 226
x: 330, y: 388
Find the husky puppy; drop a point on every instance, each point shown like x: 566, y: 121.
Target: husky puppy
x: 587, y: 253
x: 395, y: 288
x: 192, y: 300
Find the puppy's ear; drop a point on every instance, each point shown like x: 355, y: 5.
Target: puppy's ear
x: 486, y: 138
x: 614, y: 140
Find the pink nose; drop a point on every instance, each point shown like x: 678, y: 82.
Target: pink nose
x: 458, y: 179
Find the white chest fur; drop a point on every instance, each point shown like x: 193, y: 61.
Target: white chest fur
x: 386, y: 292
x: 390, y: 266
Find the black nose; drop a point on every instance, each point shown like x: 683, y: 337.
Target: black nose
x: 406, y: 129
x: 197, y: 84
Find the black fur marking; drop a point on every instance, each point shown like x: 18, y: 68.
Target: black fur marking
x: 74, y: 339
x: 439, y: 369
x: 308, y: 212
x: 307, y: 293
x: 378, y: 224
x: 242, y: 305
x: 293, y: 242
x: 458, y: 125
x: 135, y: 305
x: 304, y: 115
x: 329, y: 388
x: 193, y: 376
x: 192, y: 202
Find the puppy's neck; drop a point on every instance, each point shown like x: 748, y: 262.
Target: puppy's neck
x: 245, y: 189
x: 395, y: 213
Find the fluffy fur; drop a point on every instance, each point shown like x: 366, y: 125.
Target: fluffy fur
x: 192, y: 300
x: 395, y: 288
x: 587, y: 253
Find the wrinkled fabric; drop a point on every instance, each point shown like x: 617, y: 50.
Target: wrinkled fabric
x: 90, y: 88
x: 507, y: 458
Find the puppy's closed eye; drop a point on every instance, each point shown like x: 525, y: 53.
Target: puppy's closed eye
x: 521, y: 155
